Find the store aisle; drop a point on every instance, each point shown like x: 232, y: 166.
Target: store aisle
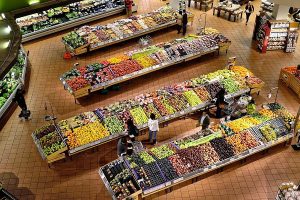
x: 27, y: 176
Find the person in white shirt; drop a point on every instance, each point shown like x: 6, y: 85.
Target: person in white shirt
x: 153, y: 128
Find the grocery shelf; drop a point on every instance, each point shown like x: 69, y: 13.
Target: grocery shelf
x: 10, y: 99
x: 217, y: 165
x: 72, y: 23
x: 143, y: 71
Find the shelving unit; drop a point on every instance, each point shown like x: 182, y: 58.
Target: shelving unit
x: 9, y: 101
x: 267, y: 7
x: 61, y: 20
x: 274, y: 35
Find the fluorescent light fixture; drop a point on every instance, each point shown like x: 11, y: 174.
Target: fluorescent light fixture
x: 4, y: 45
x: 7, y: 30
x: 31, y: 2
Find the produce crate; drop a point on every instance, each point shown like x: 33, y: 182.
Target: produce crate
x: 56, y: 158
x: 56, y: 154
x: 82, y: 92
x: 285, y: 76
x: 294, y: 84
x: 224, y: 46
x: 77, y: 51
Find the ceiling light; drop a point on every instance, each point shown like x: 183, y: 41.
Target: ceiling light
x: 7, y: 30
x: 31, y: 2
x: 4, y: 45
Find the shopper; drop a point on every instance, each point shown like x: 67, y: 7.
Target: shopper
x: 128, y: 4
x: 129, y: 146
x: 19, y: 98
x: 204, y: 120
x: 179, y: 22
x: 121, y: 147
x: 184, y: 22
x: 249, y: 9
x: 153, y: 128
x: 132, y: 130
x: 220, y: 102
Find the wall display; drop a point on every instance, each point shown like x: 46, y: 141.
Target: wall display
x: 63, y: 17
x: 12, y: 81
x: 89, y: 38
x: 274, y: 34
x: 82, y: 80
x: 163, y: 166
x: 104, y: 124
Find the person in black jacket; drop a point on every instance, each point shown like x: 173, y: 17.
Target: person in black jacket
x: 184, y: 22
x: 204, y: 120
x: 132, y: 130
x: 19, y: 98
x: 249, y: 9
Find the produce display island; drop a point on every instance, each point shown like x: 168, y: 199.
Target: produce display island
x: 90, y: 129
x: 64, y: 17
x: 12, y: 81
x: 83, y: 80
x: 175, y: 162
x: 288, y: 76
x: 90, y: 38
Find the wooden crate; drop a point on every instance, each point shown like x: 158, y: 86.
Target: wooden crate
x: 58, y: 157
x: 57, y: 153
x: 82, y: 92
x: 285, y: 77
x: 295, y: 85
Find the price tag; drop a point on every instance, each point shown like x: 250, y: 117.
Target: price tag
x: 205, y: 169
x: 156, y: 66
x: 182, y: 112
x: 167, y: 117
x: 250, y: 150
x: 213, y: 166
x: 177, y: 180
x: 194, y: 108
x: 168, y: 183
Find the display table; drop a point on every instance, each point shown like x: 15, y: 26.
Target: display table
x: 232, y: 10
x: 91, y: 129
x: 164, y: 166
x: 13, y: 80
x: 287, y: 76
x: 60, y: 18
x: 206, y: 3
x: 90, y: 38
x: 144, y: 61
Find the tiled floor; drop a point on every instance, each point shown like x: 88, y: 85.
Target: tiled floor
x: 27, y: 176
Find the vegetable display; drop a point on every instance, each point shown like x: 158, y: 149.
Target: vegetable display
x: 62, y: 14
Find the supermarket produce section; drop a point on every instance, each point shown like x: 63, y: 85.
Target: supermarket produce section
x: 164, y: 166
x: 90, y: 129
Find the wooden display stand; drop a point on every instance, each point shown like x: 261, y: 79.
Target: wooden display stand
x: 291, y: 81
x: 82, y: 92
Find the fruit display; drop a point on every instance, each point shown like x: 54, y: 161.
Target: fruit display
x: 150, y: 174
x: 184, y: 144
x: 49, y: 139
x: 242, y: 71
x: 248, y: 140
x: 74, y: 40
x: 126, y: 64
x: 203, y: 94
x: 236, y: 142
x: 62, y: 14
x: 146, y: 157
x: 290, y: 69
x: 230, y: 85
x: 86, y: 134
x: 223, y: 148
x: 150, y: 108
x: 114, y: 125
x: 268, y: 132
x: 242, y: 123
x: 179, y: 165
x: 267, y: 113
x: 139, y: 116
x: 12, y: 79
x: 77, y: 83
x: 167, y: 169
x: 192, y: 98
x: 213, y: 89
x: 96, y: 35
x: 209, y: 155
x: 162, y: 151
x: 168, y: 107
x: 120, y: 179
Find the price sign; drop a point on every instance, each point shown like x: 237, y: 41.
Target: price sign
x: 168, y: 183
x: 194, y: 108
x: 177, y: 180
x: 182, y: 112
x: 167, y: 117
